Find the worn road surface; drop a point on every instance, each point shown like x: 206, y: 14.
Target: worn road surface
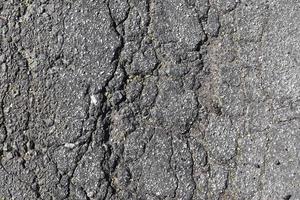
x: 150, y: 99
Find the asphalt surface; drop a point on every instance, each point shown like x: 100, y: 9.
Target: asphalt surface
x: 150, y: 99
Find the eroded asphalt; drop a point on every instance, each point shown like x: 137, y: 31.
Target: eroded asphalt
x: 149, y: 99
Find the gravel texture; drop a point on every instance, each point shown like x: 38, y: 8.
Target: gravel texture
x: 150, y: 99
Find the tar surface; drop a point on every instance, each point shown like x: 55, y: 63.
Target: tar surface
x: 149, y: 99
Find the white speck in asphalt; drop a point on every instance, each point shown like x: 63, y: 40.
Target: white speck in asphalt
x: 93, y: 100
x: 70, y: 145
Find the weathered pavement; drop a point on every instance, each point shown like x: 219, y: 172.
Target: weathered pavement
x: 150, y: 99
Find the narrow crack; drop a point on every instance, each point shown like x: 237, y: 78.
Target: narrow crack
x: 3, y: 114
x: 171, y: 163
x: 193, y: 166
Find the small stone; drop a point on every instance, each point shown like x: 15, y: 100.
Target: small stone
x: 2, y: 58
x: 30, y: 145
x: 117, y: 97
x: 94, y: 100
x: 70, y: 145
x: 9, y: 155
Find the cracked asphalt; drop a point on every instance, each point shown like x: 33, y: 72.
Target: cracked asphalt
x: 150, y: 99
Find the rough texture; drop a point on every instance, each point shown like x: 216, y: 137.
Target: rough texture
x: 149, y: 99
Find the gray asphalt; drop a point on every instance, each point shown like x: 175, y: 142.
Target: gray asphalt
x: 149, y: 99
